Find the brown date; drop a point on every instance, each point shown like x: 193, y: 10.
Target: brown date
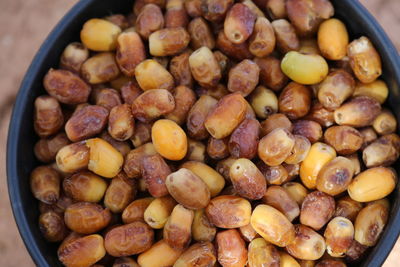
x: 244, y: 139
x: 309, y: 129
x: 120, y: 193
x: 108, y: 98
x: 128, y: 239
x: 197, y: 116
x: 295, y: 100
x: 52, y: 226
x: 86, y: 217
x: 130, y: 91
x: 271, y: 75
x: 130, y: 52
x: 229, y: 211
x: 45, y: 184
x: 243, y: 77
x: 46, y: 148
x: 239, y: 23
x: 154, y: 172
x: 184, y: 100
x: 121, y: 124
x: 66, y: 87
x: 317, y: 209
x: 77, y: 251
x: 232, y: 250
x: 149, y: 20
x: 86, y: 123
x: 152, y: 104
x: 235, y: 51
x: 180, y: 70
x: 48, y: 117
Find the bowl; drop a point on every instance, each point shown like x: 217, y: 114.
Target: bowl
x: 21, y: 136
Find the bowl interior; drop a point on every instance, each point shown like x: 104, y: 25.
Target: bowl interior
x: 21, y: 138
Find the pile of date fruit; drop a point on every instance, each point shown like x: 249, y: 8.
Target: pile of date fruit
x: 215, y: 133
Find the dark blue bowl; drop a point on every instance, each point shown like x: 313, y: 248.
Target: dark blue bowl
x: 21, y: 136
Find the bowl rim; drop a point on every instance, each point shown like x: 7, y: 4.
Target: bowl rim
x: 379, y: 255
x: 15, y: 124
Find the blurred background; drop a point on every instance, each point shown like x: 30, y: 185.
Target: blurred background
x: 23, y: 27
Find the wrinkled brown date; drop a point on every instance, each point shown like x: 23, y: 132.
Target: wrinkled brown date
x: 193, y: 8
x: 184, y: 100
x: 243, y: 77
x: 358, y: 112
x: 129, y: 239
x: 199, y: 254
x: 142, y: 133
x: 307, y: 15
x: 52, y: 226
x: 86, y: 217
x: 295, y: 100
x: 276, y: 175
x: 188, y: 189
x: 48, y: 117
x: 100, y: 68
x: 155, y: 171
x: 177, y: 230
x: 47, y: 148
x: 344, y: 139
x: 335, y: 89
x: 79, y: 250
x: 243, y: 142
x: 73, y: 56
x: 271, y: 74
x: 121, y: 124
x: 262, y: 41
x: 149, y: 20
x: 286, y: 37
x: 84, y: 186
x: 309, y: 129
x: 153, y: 104
x: 66, y: 87
x: 217, y: 148
x: 176, y: 15
x: 45, y: 184
x: 215, y: 10
x: 276, y: 9
x: 108, y: 98
x: 317, y: 209
x: 134, y: 159
x: 229, y: 211
x: 235, y: 51
x: 168, y: 41
x: 135, y: 210
x: 197, y: 116
x: 120, y: 193
x: 86, y: 122
x: 247, y: 180
x: 200, y: 34
x: 239, y: 23
x: 130, y: 91
x: 275, y: 147
x: 226, y: 116
x: 348, y: 208
x: 275, y: 121
x: 279, y: 198
x: 130, y: 52
x: 180, y: 70
x: 321, y: 115
x: 232, y: 250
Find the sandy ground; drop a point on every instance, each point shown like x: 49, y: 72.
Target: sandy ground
x: 23, y: 27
